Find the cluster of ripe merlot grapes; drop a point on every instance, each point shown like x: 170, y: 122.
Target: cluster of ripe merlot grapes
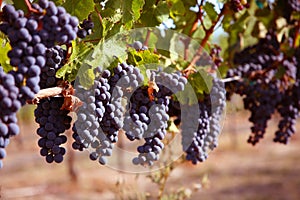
x: 270, y: 81
x: 119, y: 100
x: 36, y: 39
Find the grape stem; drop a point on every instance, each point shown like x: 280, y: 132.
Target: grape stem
x: 190, y: 68
x: 71, y: 102
x: 147, y: 38
x: 296, y: 34
x: 200, y: 15
x: 45, y: 93
x: 99, y: 14
x: 230, y: 79
x: 69, y: 52
x: 29, y: 7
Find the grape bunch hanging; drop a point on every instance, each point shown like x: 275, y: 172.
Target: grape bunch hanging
x: 269, y: 82
x: 40, y: 40
x: 36, y: 54
x: 146, y: 117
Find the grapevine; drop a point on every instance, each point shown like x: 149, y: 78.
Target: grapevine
x: 68, y: 65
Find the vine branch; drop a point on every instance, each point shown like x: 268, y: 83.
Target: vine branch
x: 147, y: 38
x: 208, y: 33
x: 71, y: 102
x: 30, y: 8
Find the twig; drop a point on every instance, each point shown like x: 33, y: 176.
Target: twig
x: 99, y: 14
x: 29, y: 7
x: 147, y: 38
x: 235, y: 78
x: 71, y: 102
x: 190, y: 69
x: 71, y: 160
x: 186, y: 43
x: 45, y: 93
x: 93, y: 40
x: 69, y: 52
x: 200, y: 15
x: 296, y: 34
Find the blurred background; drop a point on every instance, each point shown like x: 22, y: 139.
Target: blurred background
x: 235, y: 170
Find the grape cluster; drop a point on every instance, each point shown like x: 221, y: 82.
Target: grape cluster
x: 147, y: 119
x: 200, y: 136
x: 55, y: 58
x: 30, y: 36
x: 58, y: 26
x: 9, y: 105
x: 215, y: 56
x: 106, y: 102
x: 53, y: 122
x: 294, y: 4
x: 27, y: 52
x: 117, y: 101
x: 146, y: 116
x: 265, y: 89
x: 86, y: 126
x: 35, y: 60
x: 238, y: 5
x: 138, y: 46
x: 148, y: 112
x: 289, y: 112
x: 85, y: 28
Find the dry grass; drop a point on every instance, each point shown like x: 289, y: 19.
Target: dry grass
x: 235, y: 170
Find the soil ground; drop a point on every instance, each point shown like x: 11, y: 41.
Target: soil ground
x: 235, y: 170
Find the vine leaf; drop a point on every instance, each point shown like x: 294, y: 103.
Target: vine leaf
x: 69, y: 70
x: 4, y: 60
x: 201, y: 82
x: 79, y: 8
x: 154, y: 15
x: 210, y: 11
x: 265, y: 16
x: 162, y: 11
x: 131, y: 11
x: 20, y: 5
x: 142, y: 57
x: 177, y: 8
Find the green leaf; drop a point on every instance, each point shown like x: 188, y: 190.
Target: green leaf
x: 142, y: 57
x: 113, y: 4
x: 177, y: 8
x: 98, y: 29
x: 69, y: 70
x: 210, y: 11
x: 149, y: 15
x: 136, y: 7
x: 265, y: 16
x: 105, y: 52
x: 131, y: 11
x: 201, y: 82
x: 86, y: 76
x: 162, y: 11
x: 20, y: 5
x: 80, y: 9
x: 176, y: 47
x: 4, y: 60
